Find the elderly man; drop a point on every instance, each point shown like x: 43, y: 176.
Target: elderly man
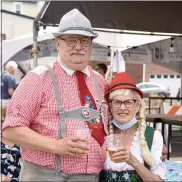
x: 8, y: 80
x: 58, y: 113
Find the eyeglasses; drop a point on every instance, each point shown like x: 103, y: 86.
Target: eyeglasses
x: 71, y: 41
x: 128, y: 103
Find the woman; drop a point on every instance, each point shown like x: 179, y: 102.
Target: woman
x: 138, y: 159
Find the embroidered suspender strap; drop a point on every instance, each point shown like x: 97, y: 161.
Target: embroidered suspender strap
x: 77, y: 114
x: 100, y: 103
x: 149, y: 133
x: 62, y: 128
x: 59, y: 103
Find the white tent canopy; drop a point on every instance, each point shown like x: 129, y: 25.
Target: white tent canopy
x: 13, y: 46
x: 120, y: 41
x: 116, y: 41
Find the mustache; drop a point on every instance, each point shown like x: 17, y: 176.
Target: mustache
x: 122, y: 112
x: 78, y: 52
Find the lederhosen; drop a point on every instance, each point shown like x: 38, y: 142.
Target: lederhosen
x: 132, y: 175
x: 56, y: 174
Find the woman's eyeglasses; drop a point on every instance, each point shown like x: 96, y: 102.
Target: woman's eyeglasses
x: 127, y: 103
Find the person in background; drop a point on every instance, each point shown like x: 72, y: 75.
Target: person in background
x: 8, y: 83
x: 139, y: 156
x: 101, y: 68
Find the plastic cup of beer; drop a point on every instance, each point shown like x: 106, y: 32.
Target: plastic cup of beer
x: 83, y: 133
x: 113, y: 143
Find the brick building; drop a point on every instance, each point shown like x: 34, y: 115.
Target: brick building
x: 161, y: 74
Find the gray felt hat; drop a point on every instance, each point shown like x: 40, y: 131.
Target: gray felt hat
x: 74, y: 22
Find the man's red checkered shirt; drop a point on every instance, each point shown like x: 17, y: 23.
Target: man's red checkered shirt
x: 34, y: 105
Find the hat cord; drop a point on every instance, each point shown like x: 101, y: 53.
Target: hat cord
x: 77, y: 28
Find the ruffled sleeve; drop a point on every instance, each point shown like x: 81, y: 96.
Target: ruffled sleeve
x: 159, y: 167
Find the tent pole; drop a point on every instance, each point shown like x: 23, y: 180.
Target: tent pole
x: 34, y: 49
x: 144, y: 70
x: 181, y: 82
x: 112, y: 60
x: 109, y: 73
x: 175, y: 35
x: 36, y: 25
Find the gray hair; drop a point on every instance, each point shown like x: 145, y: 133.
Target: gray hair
x: 12, y: 64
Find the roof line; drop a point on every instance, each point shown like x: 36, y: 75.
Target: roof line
x: 16, y: 14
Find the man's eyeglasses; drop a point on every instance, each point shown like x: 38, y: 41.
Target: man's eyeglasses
x: 71, y: 41
x: 128, y: 103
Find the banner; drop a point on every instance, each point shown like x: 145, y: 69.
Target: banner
x: 100, y: 54
x: 141, y: 55
x: 165, y: 51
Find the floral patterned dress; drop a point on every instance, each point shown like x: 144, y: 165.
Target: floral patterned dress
x: 10, y: 161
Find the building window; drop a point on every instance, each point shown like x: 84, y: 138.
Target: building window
x: 177, y: 76
x: 171, y: 76
x: 165, y: 76
x: 152, y: 76
x: 18, y: 7
x: 158, y: 76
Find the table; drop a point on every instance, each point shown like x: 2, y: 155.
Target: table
x: 174, y: 171
x: 165, y: 119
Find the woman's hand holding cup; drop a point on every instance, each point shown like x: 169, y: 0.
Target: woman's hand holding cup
x: 113, y: 143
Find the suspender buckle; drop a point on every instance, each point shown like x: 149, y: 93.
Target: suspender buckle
x: 86, y: 113
x: 61, y: 109
x: 58, y: 172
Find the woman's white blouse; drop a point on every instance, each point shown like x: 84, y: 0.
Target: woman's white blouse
x: 159, y: 167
